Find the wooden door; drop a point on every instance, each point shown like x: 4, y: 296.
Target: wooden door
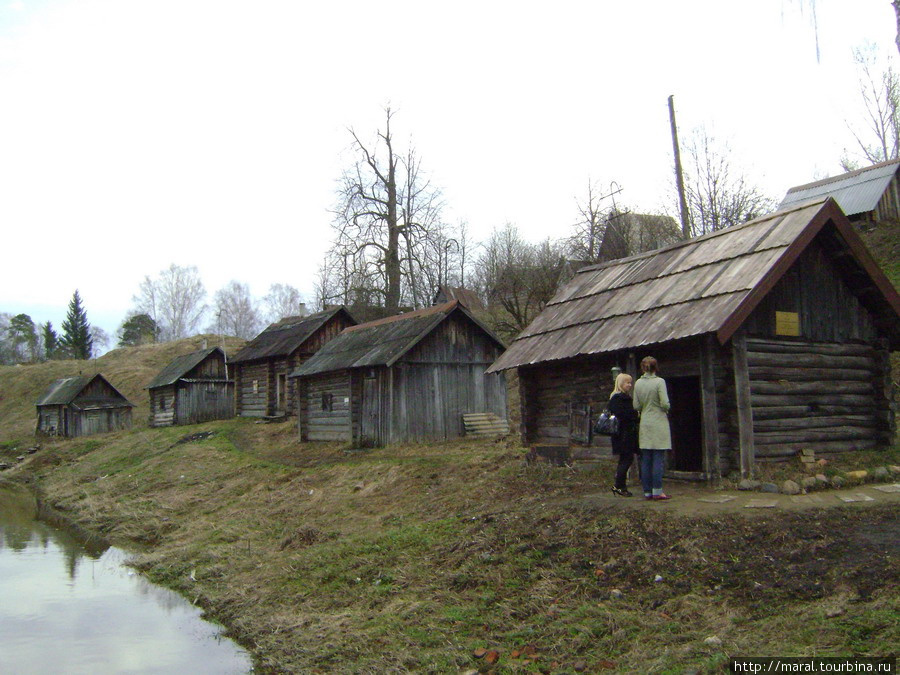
x: 686, y: 422
x: 369, y: 435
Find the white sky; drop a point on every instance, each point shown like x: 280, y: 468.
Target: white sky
x: 135, y: 134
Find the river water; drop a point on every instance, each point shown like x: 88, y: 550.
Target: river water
x: 70, y: 607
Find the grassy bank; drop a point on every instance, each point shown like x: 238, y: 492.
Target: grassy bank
x: 409, y: 559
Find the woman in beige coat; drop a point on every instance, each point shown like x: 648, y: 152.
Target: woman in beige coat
x: 651, y: 400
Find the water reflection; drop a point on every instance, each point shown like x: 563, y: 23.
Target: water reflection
x: 71, y: 606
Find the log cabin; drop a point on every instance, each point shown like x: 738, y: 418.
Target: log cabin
x: 261, y: 368
x: 405, y: 378
x: 82, y: 406
x: 193, y: 388
x: 773, y: 337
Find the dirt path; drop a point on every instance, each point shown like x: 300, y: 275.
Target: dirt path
x: 694, y: 500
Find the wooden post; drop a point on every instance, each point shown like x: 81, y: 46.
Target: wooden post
x: 302, y: 385
x: 744, y: 408
x: 710, y: 408
x: 679, y: 178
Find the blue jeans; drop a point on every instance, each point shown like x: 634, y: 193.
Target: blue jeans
x: 653, y: 463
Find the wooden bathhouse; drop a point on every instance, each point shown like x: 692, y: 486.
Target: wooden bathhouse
x: 772, y: 336
x: 869, y: 195
x: 409, y: 377
x: 260, y: 369
x: 81, y: 406
x: 192, y: 388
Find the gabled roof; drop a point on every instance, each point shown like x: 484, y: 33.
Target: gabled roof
x: 67, y: 389
x: 382, y: 342
x: 710, y: 284
x: 181, y: 366
x: 284, y: 337
x: 466, y: 297
x: 855, y: 191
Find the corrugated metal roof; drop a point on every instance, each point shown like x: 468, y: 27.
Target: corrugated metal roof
x: 180, y: 367
x: 855, y: 192
x: 381, y: 342
x: 285, y: 336
x: 67, y: 389
x: 687, y: 289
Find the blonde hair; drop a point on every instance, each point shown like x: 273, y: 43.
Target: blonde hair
x: 620, y: 380
x: 649, y: 364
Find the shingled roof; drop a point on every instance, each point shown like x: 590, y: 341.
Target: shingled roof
x: 284, y: 337
x: 180, y: 367
x: 382, y: 342
x: 67, y: 389
x: 855, y: 191
x: 710, y: 284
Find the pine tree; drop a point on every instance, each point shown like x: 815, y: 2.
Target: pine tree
x: 76, y: 341
x: 51, y: 340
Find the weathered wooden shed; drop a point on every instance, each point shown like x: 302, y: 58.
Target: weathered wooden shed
x: 772, y: 336
x: 409, y: 377
x: 193, y: 388
x: 81, y: 406
x: 260, y: 369
x: 871, y: 194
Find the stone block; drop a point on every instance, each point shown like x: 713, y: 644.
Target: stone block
x: 790, y: 487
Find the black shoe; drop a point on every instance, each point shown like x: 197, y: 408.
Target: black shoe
x: 622, y: 492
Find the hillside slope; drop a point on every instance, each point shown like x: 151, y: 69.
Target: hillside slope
x: 129, y: 369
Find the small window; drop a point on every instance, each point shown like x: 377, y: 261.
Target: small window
x: 255, y: 386
x: 211, y: 391
x: 162, y: 403
x: 327, y: 402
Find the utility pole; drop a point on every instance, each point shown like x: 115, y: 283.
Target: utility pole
x: 679, y: 178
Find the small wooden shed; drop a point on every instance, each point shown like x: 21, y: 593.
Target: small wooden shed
x: 261, y: 368
x: 409, y: 377
x: 81, y: 406
x: 772, y: 336
x: 870, y: 195
x: 193, y: 388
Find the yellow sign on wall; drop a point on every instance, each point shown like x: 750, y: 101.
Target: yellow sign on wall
x: 787, y: 323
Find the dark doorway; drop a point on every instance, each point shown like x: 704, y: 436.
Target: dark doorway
x: 685, y: 420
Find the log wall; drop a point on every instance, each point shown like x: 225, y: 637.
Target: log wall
x: 824, y: 396
x: 326, y: 413
x: 162, y: 406
x: 251, y: 388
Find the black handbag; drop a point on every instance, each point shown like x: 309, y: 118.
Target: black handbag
x: 607, y: 424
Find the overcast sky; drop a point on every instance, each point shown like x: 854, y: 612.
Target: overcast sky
x: 135, y: 134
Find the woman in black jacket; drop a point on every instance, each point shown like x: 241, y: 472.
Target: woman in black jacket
x: 625, y: 443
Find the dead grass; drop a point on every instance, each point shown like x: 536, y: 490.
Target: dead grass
x: 319, y: 558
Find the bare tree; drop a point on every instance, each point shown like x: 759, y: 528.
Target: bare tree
x: 174, y: 300
x: 518, y: 278
x: 718, y: 194
x: 588, y: 232
x: 879, y: 87
x: 235, y: 312
x: 386, y: 205
x: 100, y: 340
x: 283, y: 300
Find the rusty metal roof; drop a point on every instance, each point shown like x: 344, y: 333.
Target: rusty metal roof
x: 855, y: 192
x: 706, y: 285
x: 180, y: 367
x: 286, y: 336
x: 67, y: 389
x: 382, y: 342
